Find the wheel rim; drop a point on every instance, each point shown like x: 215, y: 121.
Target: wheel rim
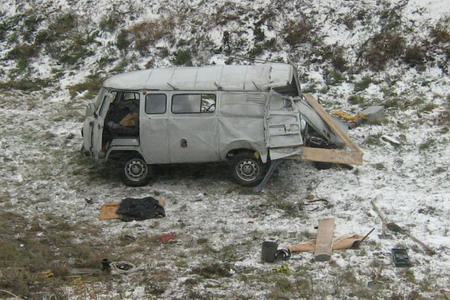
x: 136, y: 169
x: 247, y: 170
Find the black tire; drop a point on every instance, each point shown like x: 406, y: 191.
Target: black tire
x: 247, y: 170
x: 135, y: 172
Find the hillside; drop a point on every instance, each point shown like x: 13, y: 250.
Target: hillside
x: 54, y: 54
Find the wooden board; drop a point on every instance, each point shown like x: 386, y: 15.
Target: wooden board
x: 353, y: 157
x: 324, y: 240
x: 329, y: 155
x: 331, y: 123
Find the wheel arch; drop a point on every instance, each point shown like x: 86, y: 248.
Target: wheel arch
x: 243, y: 145
x: 120, y: 154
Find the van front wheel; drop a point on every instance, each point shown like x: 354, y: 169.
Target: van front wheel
x: 135, y: 172
x: 247, y: 169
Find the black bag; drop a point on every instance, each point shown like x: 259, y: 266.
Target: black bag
x: 131, y: 209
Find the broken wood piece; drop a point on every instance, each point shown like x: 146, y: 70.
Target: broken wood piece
x: 396, y: 228
x: 108, y: 211
x: 324, y: 241
x: 429, y: 250
x: 446, y: 293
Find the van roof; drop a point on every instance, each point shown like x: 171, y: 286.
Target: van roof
x: 215, y: 77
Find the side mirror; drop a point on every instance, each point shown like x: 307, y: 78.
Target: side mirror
x: 90, y: 109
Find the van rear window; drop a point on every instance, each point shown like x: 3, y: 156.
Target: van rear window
x: 193, y: 103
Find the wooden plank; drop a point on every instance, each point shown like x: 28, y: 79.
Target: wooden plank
x: 324, y: 240
x: 329, y: 155
x: 331, y: 123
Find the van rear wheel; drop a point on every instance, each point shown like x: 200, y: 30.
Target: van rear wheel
x: 135, y: 172
x: 248, y: 170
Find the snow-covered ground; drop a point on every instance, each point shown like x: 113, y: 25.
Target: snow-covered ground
x: 219, y: 225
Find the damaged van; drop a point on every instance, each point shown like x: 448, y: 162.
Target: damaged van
x: 247, y: 115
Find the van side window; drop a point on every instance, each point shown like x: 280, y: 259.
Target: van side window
x: 155, y: 103
x: 193, y: 103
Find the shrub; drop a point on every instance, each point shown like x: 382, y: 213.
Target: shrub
x: 92, y: 85
x: 148, y: 32
x: 182, y: 58
x: 440, y: 34
x: 335, y: 77
x: 226, y: 13
x: 110, y: 22
x: 257, y: 50
x: 394, y: 103
x: 123, y: 40
x: 25, y: 84
x: 71, y: 50
x: 298, y: 32
x: 382, y: 48
x: 415, y: 56
x: 363, y: 84
x: 356, y: 99
x: 22, y: 51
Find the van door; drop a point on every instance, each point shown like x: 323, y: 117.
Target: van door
x: 97, y: 130
x: 154, y: 132
x: 193, y: 128
x: 282, y: 127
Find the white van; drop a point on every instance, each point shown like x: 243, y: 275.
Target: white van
x: 248, y: 115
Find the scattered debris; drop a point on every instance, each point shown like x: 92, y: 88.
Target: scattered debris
x: 324, y: 240
x: 47, y: 274
x: 446, y: 294
x: 371, y: 114
x: 166, y: 238
x: 133, y: 209
x: 356, y: 244
x: 321, y: 204
x: 390, y: 140
x: 346, y: 241
x: 283, y: 269
x: 400, y: 257
x: 396, y: 228
x: 122, y: 267
x: 84, y: 271
x: 283, y: 254
x: 273, y: 166
x: 374, y: 281
x: 269, y: 250
x: 106, y: 265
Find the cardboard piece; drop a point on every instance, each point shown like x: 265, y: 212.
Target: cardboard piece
x: 108, y: 211
x: 343, y: 242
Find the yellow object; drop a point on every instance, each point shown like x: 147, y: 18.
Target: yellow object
x: 284, y: 270
x: 348, y: 117
x: 47, y: 274
x: 256, y: 155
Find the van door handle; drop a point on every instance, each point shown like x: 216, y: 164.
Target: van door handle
x: 183, y: 143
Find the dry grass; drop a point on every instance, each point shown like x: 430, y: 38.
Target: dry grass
x: 36, y: 255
